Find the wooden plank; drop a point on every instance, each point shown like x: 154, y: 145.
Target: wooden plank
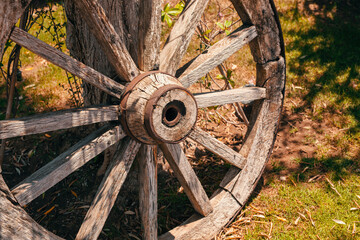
x: 244, y: 95
x: 15, y: 222
x: 66, y: 163
x: 215, y: 55
x: 108, y: 38
x: 217, y: 147
x: 108, y: 190
x: 10, y: 12
x: 187, y: 177
x: 148, y: 191
x: 180, y: 36
x: 149, y: 35
x: 66, y: 62
x: 260, y: 13
x: 53, y: 121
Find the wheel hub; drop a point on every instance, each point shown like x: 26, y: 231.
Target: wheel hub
x: 156, y: 108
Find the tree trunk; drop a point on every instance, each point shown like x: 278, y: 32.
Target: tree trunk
x: 84, y: 47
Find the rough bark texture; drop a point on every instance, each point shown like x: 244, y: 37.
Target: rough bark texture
x: 10, y: 12
x: 84, y: 46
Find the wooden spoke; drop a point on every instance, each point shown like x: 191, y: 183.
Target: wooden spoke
x: 64, y: 119
x: 149, y: 35
x: 244, y: 95
x: 148, y: 191
x: 108, y: 190
x: 218, y: 148
x: 66, y: 62
x: 187, y: 177
x: 66, y: 163
x: 108, y: 38
x: 215, y: 55
x: 180, y: 36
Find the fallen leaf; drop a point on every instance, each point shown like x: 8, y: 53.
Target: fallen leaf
x: 48, y: 211
x: 281, y: 219
x: 339, y: 221
x: 74, y: 193
x: 129, y: 212
x: 47, y: 135
x: 28, y: 69
x: 297, y: 221
x: 259, y: 216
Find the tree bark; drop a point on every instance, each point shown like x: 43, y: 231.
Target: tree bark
x: 84, y: 47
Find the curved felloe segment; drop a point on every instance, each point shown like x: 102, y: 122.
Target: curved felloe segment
x: 66, y: 163
x: 215, y: 55
x: 187, y: 178
x: 180, y: 36
x: 108, y: 190
x: 244, y: 95
x: 218, y: 148
x: 108, y: 38
x: 57, y: 120
x: 66, y: 62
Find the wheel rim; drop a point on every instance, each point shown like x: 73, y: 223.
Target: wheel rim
x: 256, y: 150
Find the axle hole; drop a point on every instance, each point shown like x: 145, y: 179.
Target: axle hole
x: 171, y: 114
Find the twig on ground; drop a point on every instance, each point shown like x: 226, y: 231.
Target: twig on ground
x: 332, y: 186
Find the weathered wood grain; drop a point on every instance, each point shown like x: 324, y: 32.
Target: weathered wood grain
x: 215, y: 55
x: 108, y: 190
x: 267, y: 46
x: 238, y: 185
x: 108, y: 38
x: 149, y: 34
x: 10, y: 12
x: 66, y: 163
x: 66, y: 62
x: 187, y: 177
x: 148, y: 191
x: 15, y: 223
x: 261, y: 132
x: 137, y: 101
x: 180, y: 36
x: 205, y: 228
x: 244, y: 95
x: 217, y: 147
x: 53, y: 121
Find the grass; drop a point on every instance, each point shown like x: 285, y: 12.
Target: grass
x: 324, y: 59
x: 323, y: 71
x: 44, y: 86
x: 287, y: 208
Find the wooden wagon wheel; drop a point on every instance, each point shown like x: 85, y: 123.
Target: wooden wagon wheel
x: 156, y: 109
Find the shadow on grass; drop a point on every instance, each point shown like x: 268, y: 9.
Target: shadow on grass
x: 339, y: 166
x: 332, y: 45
